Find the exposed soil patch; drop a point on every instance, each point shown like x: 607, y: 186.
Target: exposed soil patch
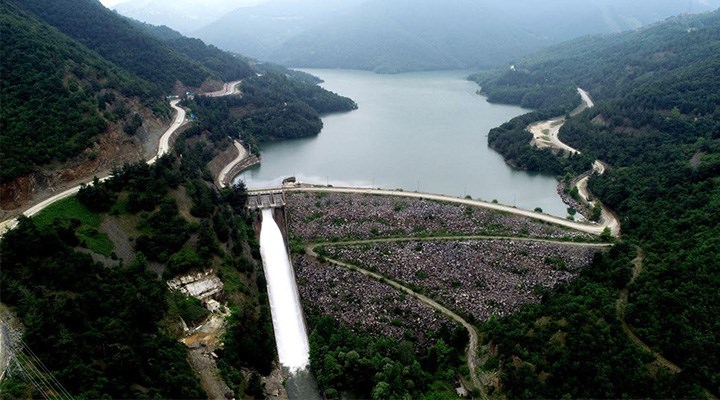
x: 113, y: 149
x: 123, y: 248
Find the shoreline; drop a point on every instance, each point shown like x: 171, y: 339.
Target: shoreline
x: 545, y: 135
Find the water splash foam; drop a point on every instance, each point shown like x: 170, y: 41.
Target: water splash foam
x: 288, y: 324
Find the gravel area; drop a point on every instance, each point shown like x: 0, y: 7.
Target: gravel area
x: 340, y: 216
x: 479, y: 278
x: 365, y: 304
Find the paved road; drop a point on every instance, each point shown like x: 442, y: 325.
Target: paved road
x: 595, y: 229
x: 164, y: 146
x: 242, y: 153
x: 228, y: 89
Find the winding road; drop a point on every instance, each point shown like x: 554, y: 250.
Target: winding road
x: 242, y: 153
x: 473, y: 333
x: 164, y: 146
x: 474, y: 342
x: 594, y: 229
x: 227, y: 90
x: 545, y: 134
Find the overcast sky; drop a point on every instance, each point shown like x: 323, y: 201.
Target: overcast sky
x: 110, y: 3
x: 229, y: 3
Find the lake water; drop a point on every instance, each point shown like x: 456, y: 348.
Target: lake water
x: 417, y: 131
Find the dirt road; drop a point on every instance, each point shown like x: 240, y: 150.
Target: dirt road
x: 472, y: 332
x: 545, y: 133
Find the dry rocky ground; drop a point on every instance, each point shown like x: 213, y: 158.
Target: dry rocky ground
x: 365, y: 304
x: 338, y: 216
x: 479, y: 278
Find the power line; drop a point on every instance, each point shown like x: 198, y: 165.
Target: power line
x: 22, y: 359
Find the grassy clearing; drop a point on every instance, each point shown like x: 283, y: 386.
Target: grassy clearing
x: 66, y: 210
x: 88, y: 234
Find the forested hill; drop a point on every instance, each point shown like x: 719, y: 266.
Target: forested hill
x: 657, y: 124
x: 608, y: 66
x: 54, y: 93
x: 405, y: 35
x: 73, y: 73
x: 121, y: 42
x: 226, y: 65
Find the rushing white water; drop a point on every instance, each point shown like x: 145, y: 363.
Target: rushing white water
x: 287, y: 317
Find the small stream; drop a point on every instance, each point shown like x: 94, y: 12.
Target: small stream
x: 287, y: 317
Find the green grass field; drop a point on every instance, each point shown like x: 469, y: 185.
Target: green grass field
x: 87, y: 233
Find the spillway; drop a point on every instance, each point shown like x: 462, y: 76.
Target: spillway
x: 290, y: 335
x: 288, y: 323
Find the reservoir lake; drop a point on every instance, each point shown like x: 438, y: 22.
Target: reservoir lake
x: 423, y: 131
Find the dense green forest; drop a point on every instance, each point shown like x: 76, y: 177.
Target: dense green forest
x: 93, y: 311
x: 53, y: 108
x: 71, y: 71
x: 273, y: 107
x: 668, y: 63
x: 572, y: 345
x: 657, y: 124
x: 366, y: 366
x: 123, y: 43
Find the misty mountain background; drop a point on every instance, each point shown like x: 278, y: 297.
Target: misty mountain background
x: 399, y: 35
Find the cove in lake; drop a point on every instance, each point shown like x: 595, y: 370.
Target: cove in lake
x: 417, y: 131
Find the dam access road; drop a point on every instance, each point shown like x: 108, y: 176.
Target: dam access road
x: 164, y: 145
x: 591, y: 228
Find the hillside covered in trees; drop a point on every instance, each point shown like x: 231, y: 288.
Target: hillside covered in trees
x: 105, y: 75
x: 273, y: 107
x: 404, y: 35
x: 123, y: 43
x: 657, y: 124
x: 83, y: 279
x: 103, y: 89
x: 53, y: 108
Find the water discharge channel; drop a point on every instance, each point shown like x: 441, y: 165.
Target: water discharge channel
x: 287, y: 317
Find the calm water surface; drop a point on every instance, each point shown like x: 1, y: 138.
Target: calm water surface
x: 416, y: 131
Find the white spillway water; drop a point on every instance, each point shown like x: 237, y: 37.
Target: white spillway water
x: 287, y: 317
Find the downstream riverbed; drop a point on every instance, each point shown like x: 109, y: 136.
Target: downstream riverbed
x: 416, y: 131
